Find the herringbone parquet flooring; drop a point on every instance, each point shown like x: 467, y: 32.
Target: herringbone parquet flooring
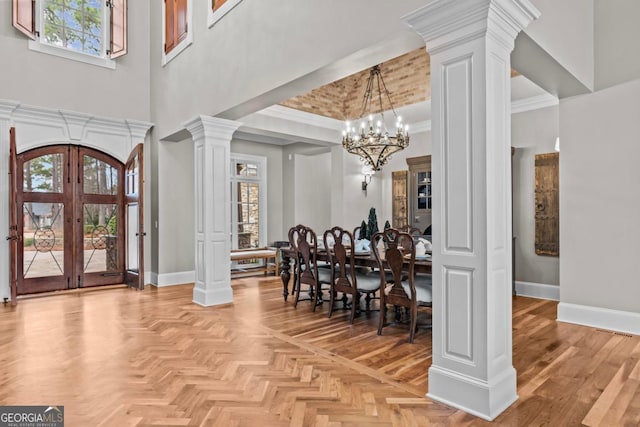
x: 119, y: 357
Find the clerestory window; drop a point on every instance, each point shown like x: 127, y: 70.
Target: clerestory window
x: 93, y: 31
x: 177, y: 36
x: 219, y: 8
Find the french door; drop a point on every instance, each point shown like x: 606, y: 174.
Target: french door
x: 69, y: 219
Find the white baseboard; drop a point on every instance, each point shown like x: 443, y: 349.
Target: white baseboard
x: 597, y: 317
x: 538, y: 290
x: 171, y: 279
x: 485, y: 400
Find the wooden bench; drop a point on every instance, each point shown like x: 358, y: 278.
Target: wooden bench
x: 265, y: 254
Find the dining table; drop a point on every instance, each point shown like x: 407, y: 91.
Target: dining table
x: 422, y: 264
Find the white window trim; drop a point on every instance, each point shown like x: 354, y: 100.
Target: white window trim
x: 261, y: 161
x: 167, y: 57
x: 214, y: 17
x: 101, y: 61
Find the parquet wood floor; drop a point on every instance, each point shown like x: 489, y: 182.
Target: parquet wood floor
x: 119, y: 357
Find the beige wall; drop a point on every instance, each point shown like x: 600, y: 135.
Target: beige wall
x: 599, y: 198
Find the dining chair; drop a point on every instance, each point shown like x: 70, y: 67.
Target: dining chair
x: 304, y: 242
x: 413, y: 231
x: 405, y: 291
x: 347, y: 277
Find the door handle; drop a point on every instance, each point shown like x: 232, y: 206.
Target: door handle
x: 143, y: 234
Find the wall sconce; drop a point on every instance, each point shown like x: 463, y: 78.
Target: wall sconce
x: 367, y: 173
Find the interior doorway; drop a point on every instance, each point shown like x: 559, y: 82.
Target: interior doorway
x: 70, y: 219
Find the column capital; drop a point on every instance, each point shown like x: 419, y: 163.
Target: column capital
x: 207, y: 127
x: 7, y: 108
x: 444, y: 24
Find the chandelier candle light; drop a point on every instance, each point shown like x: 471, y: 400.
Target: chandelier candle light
x: 373, y: 142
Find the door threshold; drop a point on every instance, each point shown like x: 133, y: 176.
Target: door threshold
x: 71, y: 291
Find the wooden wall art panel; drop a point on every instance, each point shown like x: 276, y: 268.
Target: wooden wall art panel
x: 547, y: 203
x: 399, y: 199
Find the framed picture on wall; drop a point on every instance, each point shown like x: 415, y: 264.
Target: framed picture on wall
x: 219, y: 8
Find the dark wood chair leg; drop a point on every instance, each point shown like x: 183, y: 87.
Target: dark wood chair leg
x: 383, y: 314
x: 314, y: 297
x: 331, y: 301
x: 414, y: 324
x: 367, y: 301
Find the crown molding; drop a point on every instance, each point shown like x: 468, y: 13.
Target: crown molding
x: 424, y: 126
x: 533, y: 103
x: 7, y: 108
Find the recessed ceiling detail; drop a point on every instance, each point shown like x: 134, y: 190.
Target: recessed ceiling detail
x: 408, y: 79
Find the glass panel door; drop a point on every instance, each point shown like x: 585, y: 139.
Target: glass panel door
x: 69, y: 204
x: 100, y: 240
x: 100, y: 251
x: 134, y: 219
x: 43, y: 240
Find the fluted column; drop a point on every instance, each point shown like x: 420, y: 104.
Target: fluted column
x: 470, y: 42
x: 212, y: 142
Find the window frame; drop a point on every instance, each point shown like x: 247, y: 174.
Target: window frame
x: 215, y: 16
x: 38, y: 45
x: 180, y: 47
x: 261, y: 179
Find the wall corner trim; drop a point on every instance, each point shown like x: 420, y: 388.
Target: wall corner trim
x: 598, y: 317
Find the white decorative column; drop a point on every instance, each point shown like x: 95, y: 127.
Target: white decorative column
x: 212, y: 145
x: 470, y: 42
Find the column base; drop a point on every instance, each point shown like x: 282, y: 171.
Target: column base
x: 484, y: 400
x: 210, y: 297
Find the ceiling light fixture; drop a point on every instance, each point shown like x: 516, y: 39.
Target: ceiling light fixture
x: 372, y: 141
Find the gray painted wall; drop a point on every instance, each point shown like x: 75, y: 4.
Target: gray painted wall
x: 565, y: 31
x: 599, y: 198
x: 40, y: 79
x: 532, y: 132
x: 259, y: 46
x: 312, y: 192
x: 616, y: 48
x: 176, y: 219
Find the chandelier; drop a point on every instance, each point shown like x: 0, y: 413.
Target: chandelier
x: 372, y: 141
